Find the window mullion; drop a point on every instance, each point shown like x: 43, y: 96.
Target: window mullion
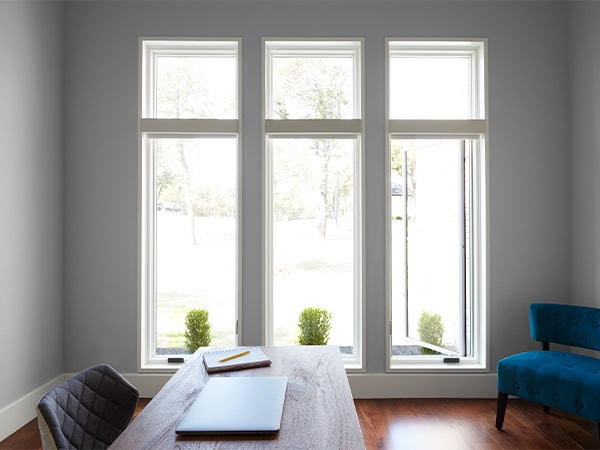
x: 462, y: 252
x: 405, y: 240
x: 438, y: 127
x: 183, y: 126
x: 313, y: 126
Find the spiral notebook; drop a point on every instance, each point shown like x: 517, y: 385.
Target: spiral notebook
x: 237, y: 358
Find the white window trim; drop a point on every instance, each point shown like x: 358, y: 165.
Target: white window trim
x: 150, y: 127
x: 324, y: 46
x: 325, y: 128
x: 453, y: 46
x: 477, y: 129
x: 189, y: 126
x: 184, y: 46
x: 332, y: 127
x: 438, y: 128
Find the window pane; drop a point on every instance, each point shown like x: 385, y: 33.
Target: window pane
x: 313, y: 216
x: 313, y: 87
x: 196, y: 86
x: 430, y: 243
x: 430, y: 87
x: 195, y: 193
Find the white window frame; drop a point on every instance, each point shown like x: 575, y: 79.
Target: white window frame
x: 474, y: 128
x: 323, y: 128
x: 151, y: 127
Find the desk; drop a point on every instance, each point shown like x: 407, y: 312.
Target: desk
x: 318, y: 412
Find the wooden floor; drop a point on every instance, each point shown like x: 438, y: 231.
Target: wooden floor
x: 446, y: 424
x: 460, y: 424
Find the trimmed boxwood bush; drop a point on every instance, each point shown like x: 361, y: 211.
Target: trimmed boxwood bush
x: 431, y: 330
x: 315, y: 325
x: 197, y: 332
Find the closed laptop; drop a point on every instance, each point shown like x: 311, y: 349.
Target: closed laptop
x: 236, y: 405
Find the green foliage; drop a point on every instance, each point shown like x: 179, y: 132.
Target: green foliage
x: 398, y: 148
x: 431, y: 330
x: 315, y: 325
x: 312, y: 88
x: 309, y: 88
x: 208, y: 198
x: 197, y: 329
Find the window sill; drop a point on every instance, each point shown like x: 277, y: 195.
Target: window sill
x: 160, y: 367
x: 466, y: 365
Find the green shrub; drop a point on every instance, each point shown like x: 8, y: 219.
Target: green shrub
x: 431, y: 330
x: 197, y: 332
x: 315, y: 325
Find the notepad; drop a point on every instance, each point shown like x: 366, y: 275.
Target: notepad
x: 236, y: 405
x: 227, y: 359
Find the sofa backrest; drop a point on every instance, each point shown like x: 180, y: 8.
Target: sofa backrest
x: 572, y: 325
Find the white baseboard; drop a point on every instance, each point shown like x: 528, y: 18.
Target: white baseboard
x: 148, y: 384
x: 413, y: 385
x: 22, y: 410
x: 423, y: 385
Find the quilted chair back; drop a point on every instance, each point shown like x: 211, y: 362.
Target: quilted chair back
x: 577, y: 326
x: 87, y: 411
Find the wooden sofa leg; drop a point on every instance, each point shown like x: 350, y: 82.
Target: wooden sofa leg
x: 502, y: 401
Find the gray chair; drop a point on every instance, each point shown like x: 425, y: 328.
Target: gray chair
x: 87, y: 411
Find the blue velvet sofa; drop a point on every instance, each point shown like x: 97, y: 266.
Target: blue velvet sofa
x: 555, y: 379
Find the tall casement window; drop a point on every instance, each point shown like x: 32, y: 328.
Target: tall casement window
x: 313, y: 125
x: 189, y: 133
x: 436, y: 204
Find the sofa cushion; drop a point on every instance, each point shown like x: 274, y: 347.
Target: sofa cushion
x: 560, y: 380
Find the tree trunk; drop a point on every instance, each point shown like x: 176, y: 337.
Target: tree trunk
x: 189, y: 204
x: 325, y: 154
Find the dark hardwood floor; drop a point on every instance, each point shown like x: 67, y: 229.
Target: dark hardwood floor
x: 446, y: 424
x: 463, y: 424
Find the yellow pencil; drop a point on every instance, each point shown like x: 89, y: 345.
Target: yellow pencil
x: 237, y: 355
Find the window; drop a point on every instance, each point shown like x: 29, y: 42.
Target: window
x: 313, y: 129
x: 436, y: 204
x: 313, y: 126
x: 189, y: 162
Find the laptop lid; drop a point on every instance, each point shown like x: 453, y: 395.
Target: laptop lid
x: 236, y: 405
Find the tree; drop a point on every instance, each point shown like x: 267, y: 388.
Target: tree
x: 164, y: 179
x: 312, y: 88
x: 181, y: 93
x: 323, y: 151
x: 398, y: 150
x: 189, y: 203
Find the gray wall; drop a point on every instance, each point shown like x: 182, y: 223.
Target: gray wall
x: 31, y: 319
x: 584, y: 53
x: 544, y: 193
x: 529, y: 156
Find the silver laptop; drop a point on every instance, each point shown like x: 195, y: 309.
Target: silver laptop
x: 236, y: 405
